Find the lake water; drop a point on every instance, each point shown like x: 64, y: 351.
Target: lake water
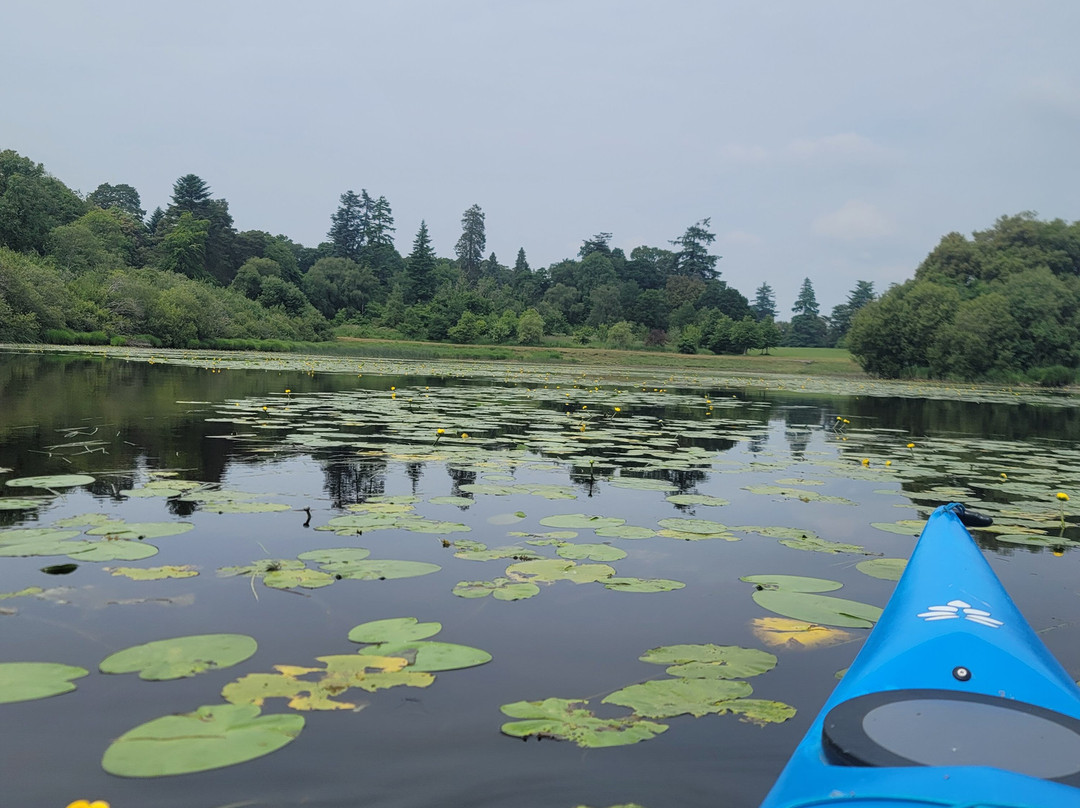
x: 539, y: 444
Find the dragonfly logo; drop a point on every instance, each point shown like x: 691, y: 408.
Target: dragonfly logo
x: 957, y: 609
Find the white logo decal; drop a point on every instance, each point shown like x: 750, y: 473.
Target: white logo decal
x: 952, y: 611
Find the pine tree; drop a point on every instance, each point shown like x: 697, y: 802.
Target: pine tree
x: 347, y: 228
x: 764, y: 305
x: 421, y: 268
x: 693, y: 258
x: 470, y: 247
x: 806, y: 302
x: 379, y: 228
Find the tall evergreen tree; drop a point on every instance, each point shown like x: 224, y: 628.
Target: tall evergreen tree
x: 190, y: 195
x: 840, y: 319
x: 764, y: 305
x: 347, y: 227
x: 693, y: 258
x: 806, y: 302
x: 470, y: 247
x: 379, y: 222
x: 808, y: 329
x: 420, y: 267
x: 599, y: 243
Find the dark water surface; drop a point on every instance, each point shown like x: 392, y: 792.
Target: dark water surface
x: 441, y: 745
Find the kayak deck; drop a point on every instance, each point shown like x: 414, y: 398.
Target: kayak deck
x: 953, y: 700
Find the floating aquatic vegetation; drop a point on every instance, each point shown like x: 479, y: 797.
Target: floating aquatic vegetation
x: 903, y: 527
x: 405, y: 637
x: 21, y: 503
x: 549, y: 570
x: 566, y: 719
x: 26, y: 681
x: 154, y: 573
x: 476, y: 551
x: 711, y: 661
x: 30, y: 590
x: 51, y: 481
x: 696, y: 499
x: 393, y: 630
x: 888, y: 569
x: 118, y: 529
x: 797, y: 597
x: 498, y: 588
x: 181, y: 657
x: 667, y: 698
x: 800, y: 494
x: 625, y: 532
x: 210, y: 737
x: 580, y: 521
x: 642, y: 584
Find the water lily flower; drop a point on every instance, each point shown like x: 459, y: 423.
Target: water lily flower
x: 911, y: 445
x: 440, y: 431
x: 1062, y: 496
x: 618, y: 409
x: 866, y: 461
x: 464, y: 435
x: 88, y: 804
x: 1004, y: 476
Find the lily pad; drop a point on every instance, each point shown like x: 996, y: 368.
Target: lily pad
x: 26, y: 681
x: 711, y: 661
x: 642, y: 584
x: 154, y: 573
x: 380, y: 570
x: 758, y: 711
x: 667, y: 698
x: 108, y: 550
x: 430, y: 655
x: 591, y: 552
x: 905, y: 527
x: 51, y: 481
x: 625, y: 532
x: 336, y: 555
x: 499, y: 588
x: 304, y: 578
x: 578, y: 521
x: 140, y: 530
x: 699, y: 526
x: 181, y: 657
x: 696, y: 499
x: 210, y: 737
x: 565, y: 720
x: 796, y: 493
x: 19, y: 503
x: 794, y: 596
x: 549, y: 570
x: 888, y: 569
x: 394, y: 630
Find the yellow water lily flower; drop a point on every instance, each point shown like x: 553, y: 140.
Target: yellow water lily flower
x: 1062, y: 496
x: 464, y: 435
x: 88, y: 804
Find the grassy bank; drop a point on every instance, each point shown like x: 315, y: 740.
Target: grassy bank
x: 798, y: 361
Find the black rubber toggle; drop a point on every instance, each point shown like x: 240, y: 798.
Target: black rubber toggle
x: 973, y: 518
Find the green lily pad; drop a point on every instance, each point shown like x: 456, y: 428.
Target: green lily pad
x: 565, y: 720
x: 578, y: 521
x: 26, y: 681
x: 140, y: 530
x: 482, y: 553
x: 817, y: 545
x: 51, y: 481
x: 888, y: 569
x: 499, y: 588
x: 796, y: 493
x: 643, y: 484
x: 905, y: 527
x: 461, y: 502
x: 696, y: 499
x: 793, y: 596
x: 30, y: 590
x: 549, y: 570
x: 625, y: 532
x: 19, y: 503
x: 699, y: 526
x: 667, y: 698
x: 430, y: 655
x: 711, y: 661
x: 380, y: 570
x: 304, y: 578
x: 591, y: 552
x: 181, y: 657
x: 642, y: 584
x: 210, y: 737
x: 154, y: 573
x: 550, y: 536
x: 336, y: 555
x: 84, y: 520
x: 108, y: 550
x: 31, y: 535
x: 758, y: 711
x: 244, y: 507
x: 394, y: 630
x: 262, y: 567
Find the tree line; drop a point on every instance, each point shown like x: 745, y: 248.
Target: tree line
x: 183, y: 276
x: 1003, y: 304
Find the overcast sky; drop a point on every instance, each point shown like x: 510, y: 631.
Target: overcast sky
x: 835, y: 140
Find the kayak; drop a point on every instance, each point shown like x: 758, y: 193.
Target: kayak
x: 953, y: 700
